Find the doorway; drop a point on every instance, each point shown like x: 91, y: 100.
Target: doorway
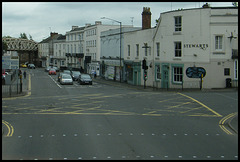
x: 165, y: 76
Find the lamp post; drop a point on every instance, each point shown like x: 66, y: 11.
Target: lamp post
x: 120, y: 68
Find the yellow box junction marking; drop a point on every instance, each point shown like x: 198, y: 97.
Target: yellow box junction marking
x: 218, y: 115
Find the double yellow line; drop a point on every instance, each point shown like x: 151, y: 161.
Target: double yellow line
x: 9, y: 127
x: 222, y: 122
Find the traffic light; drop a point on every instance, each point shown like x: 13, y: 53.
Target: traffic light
x: 144, y: 64
x: 145, y: 74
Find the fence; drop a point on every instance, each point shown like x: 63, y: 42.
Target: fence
x: 13, y: 86
x: 181, y: 86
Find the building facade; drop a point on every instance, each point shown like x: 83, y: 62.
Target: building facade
x: 74, y: 50
x: 137, y: 47
x: 192, y: 39
x: 83, y: 46
x: 46, y: 50
x: 190, y: 48
x: 59, y: 58
x: 110, y: 52
x: 93, y: 45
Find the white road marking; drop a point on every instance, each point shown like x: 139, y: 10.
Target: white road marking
x: 55, y: 81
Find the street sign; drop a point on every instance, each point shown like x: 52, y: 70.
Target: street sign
x: 195, y: 72
x: 10, y: 62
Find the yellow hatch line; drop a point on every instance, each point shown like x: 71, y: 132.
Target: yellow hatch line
x: 201, y: 104
x: 10, y: 128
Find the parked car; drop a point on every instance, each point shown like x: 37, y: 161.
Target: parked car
x: 85, y: 79
x: 3, y: 80
x: 75, y: 75
x: 52, y: 71
x: 67, y: 72
x: 47, y: 68
x: 56, y: 68
x: 23, y: 65
x: 31, y: 66
x: 66, y: 79
x: 60, y: 76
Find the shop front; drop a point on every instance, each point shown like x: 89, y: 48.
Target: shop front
x: 133, y: 72
x: 111, y: 70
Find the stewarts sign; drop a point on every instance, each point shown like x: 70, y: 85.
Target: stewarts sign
x: 201, y: 46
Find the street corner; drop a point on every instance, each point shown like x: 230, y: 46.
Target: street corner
x: 229, y: 124
x: 233, y: 123
x: 16, y: 96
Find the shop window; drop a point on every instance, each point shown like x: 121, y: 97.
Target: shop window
x: 177, y: 74
x: 158, y: 72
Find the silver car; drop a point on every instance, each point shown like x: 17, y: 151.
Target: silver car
x: 66, y: 79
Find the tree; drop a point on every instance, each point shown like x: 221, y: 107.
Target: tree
x: 7, y: 36
x: 156, y: 21
x: 235, y: 4
x: 4, y: 47
x: 23, y: 36
x: 30, y: 37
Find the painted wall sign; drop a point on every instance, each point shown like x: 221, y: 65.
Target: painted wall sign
x: 195, y: 72
x: 202, y: 46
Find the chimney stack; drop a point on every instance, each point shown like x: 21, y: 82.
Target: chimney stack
x: 53, y: 34
x: 146, y: 18
x: 74, y: 27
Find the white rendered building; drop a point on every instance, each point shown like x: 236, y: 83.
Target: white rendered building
x: 189, y: 48
x: 200, y: 37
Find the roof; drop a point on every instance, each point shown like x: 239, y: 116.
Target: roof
x: 77, y: 29
x: 47, y: 40
x: 61, y: 37
x: 231, y: 7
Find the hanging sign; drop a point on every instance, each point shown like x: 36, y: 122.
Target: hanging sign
x: 195, y: 72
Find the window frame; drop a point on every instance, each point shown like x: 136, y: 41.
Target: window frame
x: 236, y: 69
x: 129, y: 50
x: 137, y: 50
x: 177, y: 50
x: 177, y: 75
x: 226, y: 71
x: 157, y: 72
x: 158, y: 49
x: 218, y: 43
x: 177, y: 23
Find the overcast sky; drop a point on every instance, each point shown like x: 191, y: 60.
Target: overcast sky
x: 38, y: 19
